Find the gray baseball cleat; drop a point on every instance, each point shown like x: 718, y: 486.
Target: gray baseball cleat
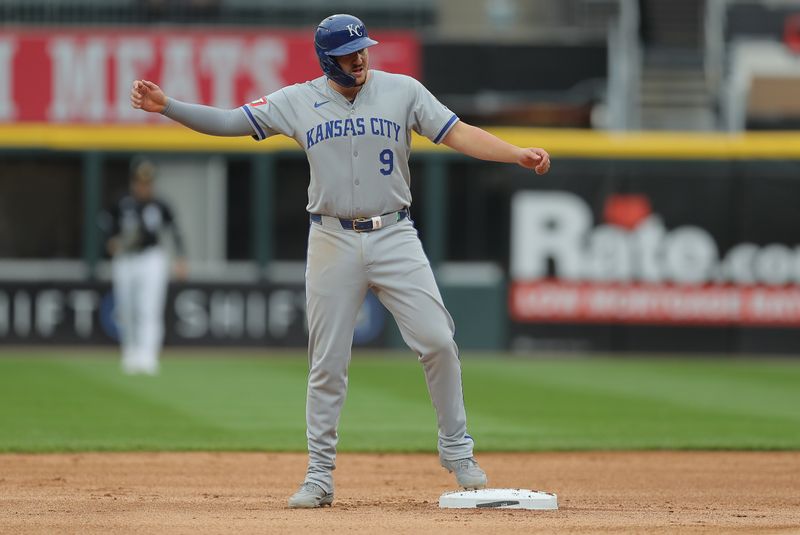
x: 309, y: 496
x: 468, y: 474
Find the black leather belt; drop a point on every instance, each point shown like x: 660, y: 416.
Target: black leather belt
x: 367, y: 224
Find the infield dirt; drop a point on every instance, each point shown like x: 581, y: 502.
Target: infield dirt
x: 198, y: 493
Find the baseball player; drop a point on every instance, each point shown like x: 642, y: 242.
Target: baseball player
x: 140, y: 267
x: 355, y: 126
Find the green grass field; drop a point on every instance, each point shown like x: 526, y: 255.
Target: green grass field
x: 61, y: 401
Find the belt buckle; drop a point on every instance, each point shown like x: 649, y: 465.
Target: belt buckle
x: 361, y: 220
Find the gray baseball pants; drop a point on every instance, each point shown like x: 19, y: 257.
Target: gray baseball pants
x: 341, y: 266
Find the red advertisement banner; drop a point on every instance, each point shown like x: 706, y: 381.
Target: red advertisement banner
x: 663, y: 304
x: 84, y: 75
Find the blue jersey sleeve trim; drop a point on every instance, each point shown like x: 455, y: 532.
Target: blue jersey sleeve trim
x: 446, y: 128
x: 261, y: 135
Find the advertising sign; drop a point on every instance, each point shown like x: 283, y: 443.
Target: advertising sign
x: 84, y: 75
x: 631, y: 267
x: 196, y: 314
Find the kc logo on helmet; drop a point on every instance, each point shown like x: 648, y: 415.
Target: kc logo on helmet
x: 354, y: 29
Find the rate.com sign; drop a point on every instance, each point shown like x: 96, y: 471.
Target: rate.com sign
x: 631, y: 268
x: 85, y: 75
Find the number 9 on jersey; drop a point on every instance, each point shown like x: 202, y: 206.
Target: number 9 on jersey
x: 387, y: 159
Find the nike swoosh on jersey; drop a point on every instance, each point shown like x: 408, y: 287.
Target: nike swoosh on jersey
x: 318, y: 104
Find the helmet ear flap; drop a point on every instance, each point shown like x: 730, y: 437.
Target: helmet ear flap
x: 333, y: 71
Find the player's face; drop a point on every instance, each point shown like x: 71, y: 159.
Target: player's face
x: 356, y: 64
x: 142, y: 187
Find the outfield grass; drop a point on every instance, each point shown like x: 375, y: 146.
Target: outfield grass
x: 67, y: 402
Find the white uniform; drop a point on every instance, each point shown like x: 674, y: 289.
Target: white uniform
x: 358, y: 153
x: 140, y: 274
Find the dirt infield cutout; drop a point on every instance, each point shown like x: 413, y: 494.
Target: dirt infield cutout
x: 198, y: 493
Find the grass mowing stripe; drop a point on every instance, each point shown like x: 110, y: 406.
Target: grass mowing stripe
x: 388, y: 404
x: 227, y: 393
x: 257, y: 403
x: 684, y: 383
x: 234, y: 403
x: 55, y: 407
x: 555, y: 404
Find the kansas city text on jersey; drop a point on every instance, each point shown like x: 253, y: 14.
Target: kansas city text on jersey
x: 352, y: 127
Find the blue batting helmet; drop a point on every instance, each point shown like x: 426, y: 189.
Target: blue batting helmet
x: 339, y: 35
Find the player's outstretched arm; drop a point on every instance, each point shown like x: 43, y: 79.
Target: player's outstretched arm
x: 147, y: 96
x: 479, y: 143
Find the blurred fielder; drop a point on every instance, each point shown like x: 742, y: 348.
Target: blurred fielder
x: 140, y: 267
x: 355, y: 126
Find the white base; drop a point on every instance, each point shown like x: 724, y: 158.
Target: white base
x: 499, y: 499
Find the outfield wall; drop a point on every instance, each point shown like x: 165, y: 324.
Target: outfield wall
x: 264, y: 314
x: 655, y: 241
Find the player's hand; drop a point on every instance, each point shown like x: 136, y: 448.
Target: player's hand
x: 536, y: 159
x: 147, y: 96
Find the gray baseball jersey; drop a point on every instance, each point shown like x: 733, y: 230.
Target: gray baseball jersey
x: 358, y: 152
